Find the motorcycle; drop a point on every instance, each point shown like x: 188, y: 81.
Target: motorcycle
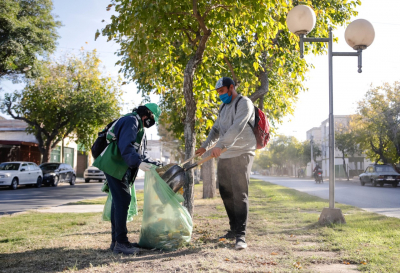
x: 318, y: 177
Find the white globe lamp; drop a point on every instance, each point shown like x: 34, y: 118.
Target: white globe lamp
x: 301, y: 20
x: 359, y: 34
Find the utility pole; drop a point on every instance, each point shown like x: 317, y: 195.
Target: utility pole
x: 312, y: 154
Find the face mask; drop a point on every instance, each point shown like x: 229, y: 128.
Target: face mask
x: 148, y: 122
x: 226, y: 98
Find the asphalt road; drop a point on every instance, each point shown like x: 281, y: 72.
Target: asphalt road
x: 384, y: 200
x: 27, y: 198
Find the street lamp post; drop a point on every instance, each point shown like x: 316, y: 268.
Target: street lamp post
x: 359, y: 35
x: 312, y: 154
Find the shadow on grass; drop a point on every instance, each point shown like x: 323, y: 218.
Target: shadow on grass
x: 60, y: 259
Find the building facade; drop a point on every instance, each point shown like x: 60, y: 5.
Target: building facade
x: 18, y: 145
x: 354, y: 164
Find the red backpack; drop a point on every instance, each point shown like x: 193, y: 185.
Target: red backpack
x: 261, y: 126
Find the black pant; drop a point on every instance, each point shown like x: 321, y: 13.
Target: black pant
x: 121, y: 198
x: 233, y: 178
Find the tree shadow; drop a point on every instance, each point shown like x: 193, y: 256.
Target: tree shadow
x: 60, y: 259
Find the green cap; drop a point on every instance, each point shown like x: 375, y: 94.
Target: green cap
x: 154, y: 109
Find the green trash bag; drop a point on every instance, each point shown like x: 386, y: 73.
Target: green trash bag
x: 166, y: 223
x: 107, y: 207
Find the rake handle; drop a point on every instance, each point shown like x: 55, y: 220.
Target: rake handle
x: 208, y: 158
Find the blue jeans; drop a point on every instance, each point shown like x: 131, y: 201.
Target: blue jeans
x: 121, y: 198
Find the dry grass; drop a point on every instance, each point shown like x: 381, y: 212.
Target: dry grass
x: 282, y: 237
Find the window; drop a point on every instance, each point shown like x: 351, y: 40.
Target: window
x: 9, y: 166
x: 384, y: 169
x: 49, y: 167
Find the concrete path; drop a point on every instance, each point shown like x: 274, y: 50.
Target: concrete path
x: 73, y: 209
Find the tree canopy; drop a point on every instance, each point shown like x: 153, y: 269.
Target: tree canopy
x: 180, y: 49
x: 28, y: 29
x: 376, y: 124
x: 286, y: 151
x: 70, y: 98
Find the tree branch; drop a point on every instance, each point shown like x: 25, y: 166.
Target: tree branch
x: 215, y: 7
x: 232, y: 71
x: 199, y: 18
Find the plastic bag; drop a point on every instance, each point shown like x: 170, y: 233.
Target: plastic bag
x: 166, y: 223
x: 132, y: 211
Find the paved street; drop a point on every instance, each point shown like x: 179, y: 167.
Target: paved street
x: 25, y: 198
x: 385, y: 200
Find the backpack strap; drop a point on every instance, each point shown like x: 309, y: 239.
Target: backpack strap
x: 236, y: 104
x: 110, y: 131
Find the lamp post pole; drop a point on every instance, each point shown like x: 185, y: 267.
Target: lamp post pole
x: 331, y: 214
x: 359, y: 35
x: 312, y: 154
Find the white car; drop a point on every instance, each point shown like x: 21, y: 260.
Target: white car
x: 93, y: 173
x: 17, y: 173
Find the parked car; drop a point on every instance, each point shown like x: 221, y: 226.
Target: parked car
x: 93, y: 173
x: 54, y: 173
x: 17, y: 173
x: 380, y: 174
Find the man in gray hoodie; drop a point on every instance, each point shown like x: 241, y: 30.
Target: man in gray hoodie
x: 231, y: 129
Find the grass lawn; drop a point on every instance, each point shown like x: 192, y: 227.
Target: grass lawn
x: 283, y: 236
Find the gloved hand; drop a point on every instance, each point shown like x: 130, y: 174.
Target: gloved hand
x: 144, y: 166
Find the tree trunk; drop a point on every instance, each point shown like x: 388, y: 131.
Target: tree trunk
x: 189, y: 132
x: 46, y: 154
x: 344, y: 167
x: 209, y: 184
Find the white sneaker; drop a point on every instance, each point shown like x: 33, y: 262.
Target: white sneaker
x: 240, y: 243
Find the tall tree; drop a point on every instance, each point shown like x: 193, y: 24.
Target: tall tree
x: 70, y: 98
x: 375, y: 124
x: 177, y: 49
x: 345, y: 142
x: 28, y: 29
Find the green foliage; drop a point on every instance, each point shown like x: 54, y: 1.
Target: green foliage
x: 345, y: 141
x: 284, y: 151
x: 248, y: 38
x: 28, y: 29
x: 70, y: 98
x: 376, y: 124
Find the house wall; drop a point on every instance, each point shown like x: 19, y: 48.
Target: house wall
x: 19, y: 134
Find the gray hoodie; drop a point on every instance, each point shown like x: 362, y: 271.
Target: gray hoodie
x: 230, y: 127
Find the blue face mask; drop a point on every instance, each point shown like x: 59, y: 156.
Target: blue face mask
x: 226, y: 98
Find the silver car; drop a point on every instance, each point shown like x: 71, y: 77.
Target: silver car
x: 93, y: 173
x: 17, y: 173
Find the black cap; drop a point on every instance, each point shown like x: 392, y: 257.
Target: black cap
x: 224, y: 81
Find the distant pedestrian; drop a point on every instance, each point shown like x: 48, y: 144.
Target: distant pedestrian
x: 235, y: 164
x: 121, y: 161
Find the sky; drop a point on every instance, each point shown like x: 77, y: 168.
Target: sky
x: 381, y: 61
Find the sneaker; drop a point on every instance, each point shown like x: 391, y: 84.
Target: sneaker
x: 112, y: 246
x: 125, y: 249
x: 229, y: 235
x: 240, y: 243
x: 132, y: 244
